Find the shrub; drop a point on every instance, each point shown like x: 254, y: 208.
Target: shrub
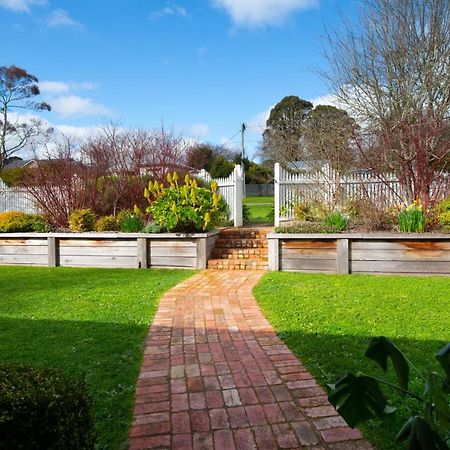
x: 187, y: 208
x: 152, y: 228
x: 444, y: 214
x: 246, y: 215
x: 107, y: 223
x: 82, y: 220
x: 130, y: 221
x: 16, y: 222
x: 309, y: 211
x: 307, y: 227
x: 412, y: 219
x: 337, y: 220
x: 44, y: 409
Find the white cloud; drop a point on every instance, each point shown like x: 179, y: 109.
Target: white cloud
x: 73, y: 105
x: 199, y: 130
x: 256, y: 13
x: 329, y: 99
x: 21, y: 5
x: 53, y: 87
x: 57, y: 87
x: 257, y: 123
x: 60, y: 18
x: 169, y: 10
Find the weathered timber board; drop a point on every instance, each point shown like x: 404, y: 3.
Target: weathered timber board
x: 308, y: 253
x: 24, y: 259
x: 315, y: 265
x: 423, y: 256
x: 98, y: 261
x: 309, y: 244
x: 404, y: 267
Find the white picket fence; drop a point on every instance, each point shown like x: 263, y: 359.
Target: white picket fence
x: 232, y: 190
x: 16, y: 199
x: 328, y: 186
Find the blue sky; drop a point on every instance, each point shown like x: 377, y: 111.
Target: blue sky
x: 201, y: 67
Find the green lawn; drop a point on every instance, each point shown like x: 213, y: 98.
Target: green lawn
x: 328, y: 320
x: 261, y: 210
x: 90, y: 321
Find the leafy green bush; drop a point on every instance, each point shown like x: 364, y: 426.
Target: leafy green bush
x: 44, y: 409
x: 412, y: 219
x: 186, y: 208
x: 246, y: 215
x: 82, y: 220
x: 337, y: 220
x: 130, y: 221
x: 16, y: 222
x: 309, y: 211
x: 444, y: 214
x: 153, y: 228
x: 107, y: 223
x: 359, y: 397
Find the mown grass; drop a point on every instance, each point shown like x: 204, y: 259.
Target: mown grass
x: 328, y: 320
x: 261, y: 210
x: 85, y: 321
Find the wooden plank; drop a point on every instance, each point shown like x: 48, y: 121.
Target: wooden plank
x: 34, y: 260
x: 173, y: 243
x: 172, y: 261
x: 53, y: 251
x: 317, y: 265
x: 23, y: 249
x: 307, y: 253
x: 342, y: 257
x: 175, y: 252
x: 24, y: 242
x: 309, y: 244
x: 274, y: 255
x: 97, y: 243
x: 201, y: 256
x: 98, y: 251
x: 98, y: 261
x: 418, y: 267
x: 142, y: 260
x: 400, y: 255
x: 400, y: 245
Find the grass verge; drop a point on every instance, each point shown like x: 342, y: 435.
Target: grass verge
x: 91, y: 321
x: 261, y: 210
x: 328, y: 320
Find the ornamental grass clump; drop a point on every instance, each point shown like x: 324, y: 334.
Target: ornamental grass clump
x: 184, y: 208
x: 411, y: 219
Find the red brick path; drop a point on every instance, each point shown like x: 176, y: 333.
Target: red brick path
x: 216, y: 376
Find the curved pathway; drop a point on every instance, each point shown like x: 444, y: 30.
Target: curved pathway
x: 216, y: 376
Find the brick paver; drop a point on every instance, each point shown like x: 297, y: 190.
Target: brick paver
x: 216, y: 376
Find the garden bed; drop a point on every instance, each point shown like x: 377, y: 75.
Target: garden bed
x: 108, y: 250
x: 361, y: 253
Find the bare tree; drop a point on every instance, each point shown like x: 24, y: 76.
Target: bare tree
x: 18, y: 90
x: 392, y: 73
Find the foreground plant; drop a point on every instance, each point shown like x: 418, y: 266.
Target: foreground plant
x: 359, y: 397
x: 187, y: 208
x: 411, y: 219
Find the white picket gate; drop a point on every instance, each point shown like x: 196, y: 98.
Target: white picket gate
x: 232, y: 190
x: 328, y: 186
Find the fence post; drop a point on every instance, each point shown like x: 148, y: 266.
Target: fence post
x: 238, y: 194
x: 276, y: 181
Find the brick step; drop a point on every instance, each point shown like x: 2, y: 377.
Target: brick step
x: 237, y: 264
x: 241, y: 243
x: 243, y: 233
x: 246, y: 253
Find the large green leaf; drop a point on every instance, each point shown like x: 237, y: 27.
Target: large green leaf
x: 443, y: 357
x: 439, y: 407
x: 421, y: 435
x: 380, y: 350
x: 358, y: 398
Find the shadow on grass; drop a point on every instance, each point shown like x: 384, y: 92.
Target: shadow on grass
x: 328, y: 357
x: 109, y: 354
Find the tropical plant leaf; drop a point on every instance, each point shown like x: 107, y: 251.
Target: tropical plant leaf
x: 421, y: 435
x: 439, y: 408
x: 380, y: 350
x: 358, y: 398
x: 443, y: 357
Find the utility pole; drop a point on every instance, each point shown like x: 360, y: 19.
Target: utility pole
x: 243, y: 128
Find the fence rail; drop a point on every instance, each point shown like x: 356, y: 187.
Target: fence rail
x: 16, y: 199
